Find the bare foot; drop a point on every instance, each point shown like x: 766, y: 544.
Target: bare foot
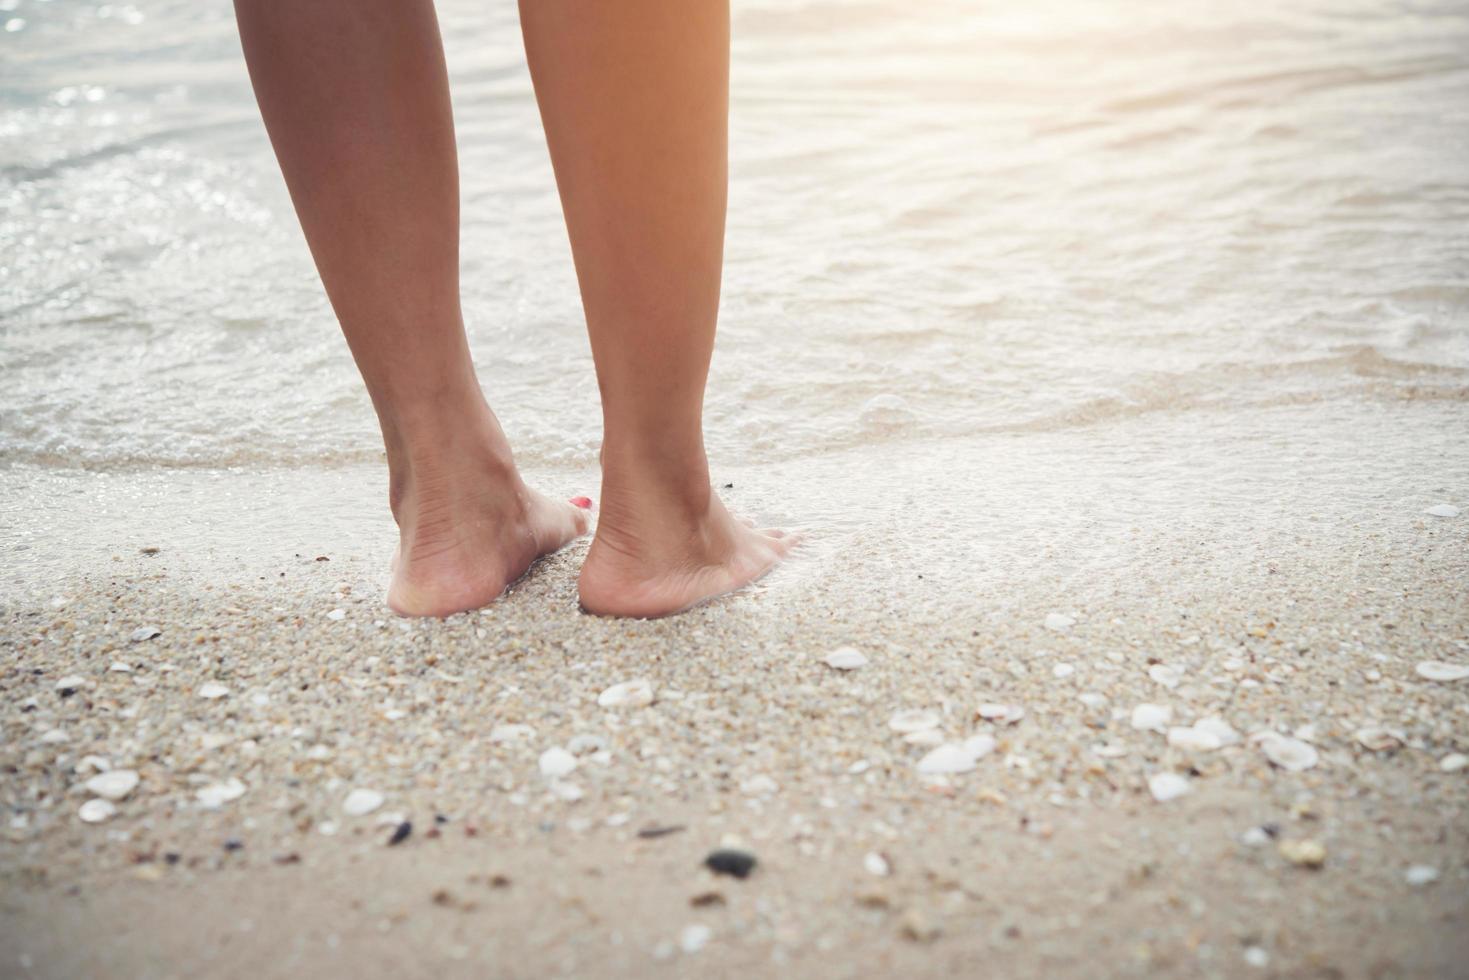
x: 650, y: 560
x: 466, y: 535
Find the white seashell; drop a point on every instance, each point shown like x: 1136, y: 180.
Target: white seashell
x: 510, y: 733
x: 92, y: 763
x: 979, y: 746
x: 54, y: 736
x: 1151, y: 717
x: 1288, y: 753
x: 951, y: 757
x: 1059, y: 622
x: 1437, y: 670
x: 216, y: 795
x: 71, y: 682
x: 213, y: 690
x: 337, y: 615
x: 556, y: 762
x: 846, y: 658
x: 144, y: 633
x: 876, y: 864
x: 1092, y: 699
x: 930, y: 737
x: 886, y: 410
x: 914, y: 720
x: 569, y: 792
x: 1453, y: 762
x: 1442, y: 510
x: 1377, y: 739
x: 1193, y: 739
x: 113, y: 785
x: 1219, y: 728
x: 761, y: 785
x: 1062, y: 670
x: 118, y: 667
x: 96, y: 811
x: 1167, y: 786
x: 1002, y: 714
x: 694, y: 937
x: 629, y: 694
x: 1166, y: 675
x: 1104, y: 751
x: 1421, y: 874
x: 361, y: 802
x: 586, y: 744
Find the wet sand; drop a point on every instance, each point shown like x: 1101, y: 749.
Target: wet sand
x: 1277, y: 562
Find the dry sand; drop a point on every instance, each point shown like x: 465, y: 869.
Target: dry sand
x: 1279, y: 560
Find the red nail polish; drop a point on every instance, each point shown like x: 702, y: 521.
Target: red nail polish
x: 585, y: 503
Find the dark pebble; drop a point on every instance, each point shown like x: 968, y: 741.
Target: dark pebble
x: 233, y: 844
x: 728, y: 861
x: 172, y: 857
x: 648, y: 833
x: 440, y: 819
x: 401, y: 832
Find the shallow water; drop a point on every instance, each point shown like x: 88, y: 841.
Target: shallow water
x: 947, y: 218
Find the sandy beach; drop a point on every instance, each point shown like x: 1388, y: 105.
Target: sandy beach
x: 278, y: 688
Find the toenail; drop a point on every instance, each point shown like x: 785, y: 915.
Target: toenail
x: 585, y: 503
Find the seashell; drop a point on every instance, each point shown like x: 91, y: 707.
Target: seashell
x: 216, y: 795
x: 1151, y: 717
x: 629, y: 694
x: 213, y: 690
x: 1059, y: 622
x: 361, y: 802
x: 1166, y: 675
x: 1167, y: 786
x: 113, y: 785
x: 1377, y: 739
x: 845, y: 658
x: 556, y: 762
x: 1437, y: 670
x: 1288, y: 753
x: 96, y: 811
x: 914, y: 720
x: 1001, y: 714
x: 1193, y: 739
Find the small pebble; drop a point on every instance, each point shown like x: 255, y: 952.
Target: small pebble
x: 144, y: 633
x: 70, y: 684
x: 510, y: 733
x: 919, y: 927
x: 1453, y: 762
x: 337, y: 615
x: 213, y: 691
x: 845, y: 658
x: 1303, y: 853
x: 876, y: 864
x: 731, y: 861
x: 1062, y: 670
x: 1257, y: 957
x: 400, y: 833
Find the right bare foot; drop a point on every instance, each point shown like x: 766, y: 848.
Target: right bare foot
x: 651, y: 558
